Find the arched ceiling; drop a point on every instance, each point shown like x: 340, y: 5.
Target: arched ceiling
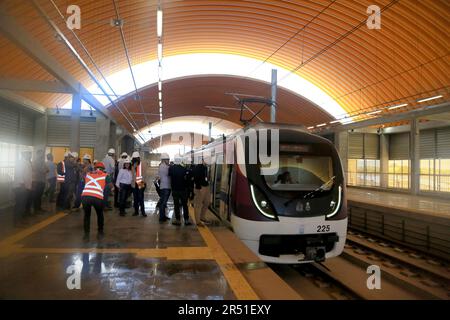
x: 209, y: 96
x: 407, y: 59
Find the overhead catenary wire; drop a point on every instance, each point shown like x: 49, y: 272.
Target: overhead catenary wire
x: 293, y: 36
x: 335, y: 42
x: 122, y: 36
x: 129, y: 118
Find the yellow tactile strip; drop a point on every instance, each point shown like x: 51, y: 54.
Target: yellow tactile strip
x: 241, y: 288
x: 28, y: 231
x: 214, y: 251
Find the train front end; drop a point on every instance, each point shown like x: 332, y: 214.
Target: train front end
x: 298, y: 213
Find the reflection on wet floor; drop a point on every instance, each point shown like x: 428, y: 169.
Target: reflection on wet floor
x: 110, y: 276
x: 137, y: 259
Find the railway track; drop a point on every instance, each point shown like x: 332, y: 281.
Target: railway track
x: 405, y: 274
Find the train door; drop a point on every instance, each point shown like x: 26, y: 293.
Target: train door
x: 226, y: 190
x: 217, y: 184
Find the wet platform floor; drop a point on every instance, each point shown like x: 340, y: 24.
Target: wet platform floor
x: 138, y: 258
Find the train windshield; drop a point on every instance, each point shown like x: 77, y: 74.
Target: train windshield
x: 302, y: 173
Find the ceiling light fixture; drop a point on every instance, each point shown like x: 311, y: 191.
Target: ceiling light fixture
x: 431, y: 98
x: 321, y: 125
x: 398, y: 106
x: 159, y: 22
x: 374, y: 112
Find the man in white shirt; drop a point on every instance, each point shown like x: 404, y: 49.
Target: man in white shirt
x: 22, y: 187
x: 163, y: 174
x: 110, y: 165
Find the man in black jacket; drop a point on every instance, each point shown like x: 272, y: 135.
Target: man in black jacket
x: 202, y: 194
x: 180, y: 179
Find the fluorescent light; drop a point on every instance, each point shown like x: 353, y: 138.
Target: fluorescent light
x: 160, y: 103
x: 160, y: 109
x: 159, y: 23
x: 321, y: 125
x: 398, y: 106
x: 373, y: 112
x: 431, y: 98
x: 160, y: 95
x: 160, y: 51
x: 335, y: 121
x: 309, y: 128
x: 159, y: 85
x: 160, y: 70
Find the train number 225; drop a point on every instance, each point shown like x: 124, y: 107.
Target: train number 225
x: 323, y: 228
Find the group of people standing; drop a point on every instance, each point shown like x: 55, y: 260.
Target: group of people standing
x: 90, y: 183
x: 184, y: 183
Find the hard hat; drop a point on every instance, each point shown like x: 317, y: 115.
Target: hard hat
x: 111, y: 151
x: 124, y: 154
x: 74, y: 154
x: 87, y: 157
x: 135, y: 155
x: 127, y: 160
x: 99, y: 165
x: 66, y: 154
x: 165, y: 156
x: 177, y: 159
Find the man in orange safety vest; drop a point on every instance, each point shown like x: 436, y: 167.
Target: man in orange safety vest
x: 93, y: 196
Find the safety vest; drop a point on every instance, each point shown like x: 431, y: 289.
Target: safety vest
x: 139, y: 174
x: 94, y: 184
x: 61, y: 177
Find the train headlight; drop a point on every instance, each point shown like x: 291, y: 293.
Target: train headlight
x: 261, y: 203
x: 337, y: 206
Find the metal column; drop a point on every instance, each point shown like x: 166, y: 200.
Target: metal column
x: 75, y: 123
x: 273, y: 111
x: 415, y: 156
x: 209, y: 131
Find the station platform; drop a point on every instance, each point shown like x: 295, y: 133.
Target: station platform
x: 138, y: 258
x: 414, y: 204
x: 420, y: 222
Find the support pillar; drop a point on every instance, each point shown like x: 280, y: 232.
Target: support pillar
x: 102, y: 139
x: 273, y: 110
x: 341, y: 143
x: 75, y: 123
x: 414, y: 152
x: 40, y: 132
x: 384, y: 160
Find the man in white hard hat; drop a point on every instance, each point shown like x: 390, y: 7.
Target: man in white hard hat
x: 138, y: 183
x: 121, y: 161
x: 165, y: 186
x: 110, y: 163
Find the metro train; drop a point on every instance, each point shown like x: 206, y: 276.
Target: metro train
x: 297, y: 213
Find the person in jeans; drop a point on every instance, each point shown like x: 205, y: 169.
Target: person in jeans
x: 93, y: 196
x: 123, y: 184
x: 138, y: 184
x: 202, y: 194
x: 85, y: 168
x: 163, y: 174
x: 51, y: 178
x: 180, y: 179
